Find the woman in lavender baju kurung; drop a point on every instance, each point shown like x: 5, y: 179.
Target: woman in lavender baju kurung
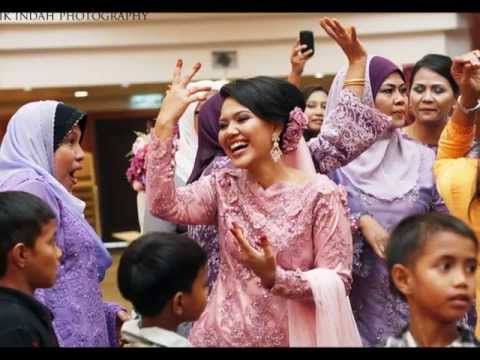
x: 391, y: 180
x: 81, y: 318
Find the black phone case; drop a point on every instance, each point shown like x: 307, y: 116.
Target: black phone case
x: 306, y: 38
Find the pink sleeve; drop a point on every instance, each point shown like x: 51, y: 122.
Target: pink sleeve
x: 192, y: 204
x: 333, y: 236
x: 332, y: 246
x: 348, y: 131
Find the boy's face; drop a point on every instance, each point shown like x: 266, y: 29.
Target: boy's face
x: 42, y: 260
x: 196, y: 300
x: 442, y: 279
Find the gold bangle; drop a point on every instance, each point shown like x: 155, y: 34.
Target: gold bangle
x: 348, y: 83
x: 359, y: 82
x: 356, y: 80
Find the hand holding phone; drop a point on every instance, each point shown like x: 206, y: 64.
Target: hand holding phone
x: 306, y: 38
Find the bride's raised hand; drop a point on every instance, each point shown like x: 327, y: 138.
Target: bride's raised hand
x: 178, y: 96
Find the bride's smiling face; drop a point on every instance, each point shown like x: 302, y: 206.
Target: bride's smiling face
x: 245, y: 138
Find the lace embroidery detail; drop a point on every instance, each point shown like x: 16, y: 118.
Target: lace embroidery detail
x: 81, y: 319
x: 378, y: 311
x: 347, y: 131
x: 311, y: 231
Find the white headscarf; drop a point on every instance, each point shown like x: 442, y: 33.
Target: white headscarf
x: 188, y: 141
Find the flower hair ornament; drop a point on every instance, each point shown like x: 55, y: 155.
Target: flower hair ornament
x: 297, y: 123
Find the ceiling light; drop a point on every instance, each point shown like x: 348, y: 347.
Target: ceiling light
x: 80, y: 94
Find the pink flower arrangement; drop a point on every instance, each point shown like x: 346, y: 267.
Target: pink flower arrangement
x: 297, y: 123
x: 136, y: 172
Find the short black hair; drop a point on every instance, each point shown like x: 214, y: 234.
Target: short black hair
x: 155, y: 267
x: 270, y: 99
x: 309, y: 90
x: 22, y: 216
x: 410, y: 235
x: 441, y: 64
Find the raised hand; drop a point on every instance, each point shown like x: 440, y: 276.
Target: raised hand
x: 298, y: 58
x: 466, y: 72
x: 262, y: 263
x: 346, y: 38
x: 178, y: 97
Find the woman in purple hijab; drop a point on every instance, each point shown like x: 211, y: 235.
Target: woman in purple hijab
x: 40, y: 154
x: 210, y: 157
x: 392, y: 179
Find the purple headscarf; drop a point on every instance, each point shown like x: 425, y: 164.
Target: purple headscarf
x: 389, y: 168
x: 379, y: 69
x: 208, y: 127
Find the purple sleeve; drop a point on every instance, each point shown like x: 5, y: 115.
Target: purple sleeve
x: 111, y: 310
x: 438, y: 204
x: 348, y: 131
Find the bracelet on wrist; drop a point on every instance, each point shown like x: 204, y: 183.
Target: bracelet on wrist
x: 354, y: 82
x: 467, y: 110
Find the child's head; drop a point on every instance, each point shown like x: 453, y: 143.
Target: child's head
x: 432, y: 260
x: 164, y: 272
x: 29, y: 256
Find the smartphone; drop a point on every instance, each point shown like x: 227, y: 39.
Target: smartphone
x: 306, y: 38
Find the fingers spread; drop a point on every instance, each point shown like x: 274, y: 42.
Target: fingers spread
x: 329, y: 31
x: 177, y: 73
x: 188, y: 78
x: 354, y: 34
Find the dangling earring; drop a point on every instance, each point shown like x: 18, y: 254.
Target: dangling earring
x: 276, y: 152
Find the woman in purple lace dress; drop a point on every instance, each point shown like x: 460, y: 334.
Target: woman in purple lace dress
x: 40, y: 154
x: 389, y: 181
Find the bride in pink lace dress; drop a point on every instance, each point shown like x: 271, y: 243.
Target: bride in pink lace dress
x: 284, y: 235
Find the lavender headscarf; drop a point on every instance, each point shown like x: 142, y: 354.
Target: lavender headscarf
x: 28, y: 146
x: 390, y: 167
x: 208, y: 127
